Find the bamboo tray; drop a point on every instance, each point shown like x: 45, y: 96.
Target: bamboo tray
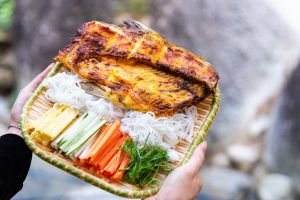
x: 37, y: 105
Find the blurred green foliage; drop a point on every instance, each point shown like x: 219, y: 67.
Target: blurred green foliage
x: 6, y: 12
x: 136, y: 8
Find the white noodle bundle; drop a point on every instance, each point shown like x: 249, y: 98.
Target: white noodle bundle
x: 65, y: 88
x: 105, y: 109
x: 165, y: 132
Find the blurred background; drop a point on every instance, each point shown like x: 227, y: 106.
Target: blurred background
x: 254, y: 150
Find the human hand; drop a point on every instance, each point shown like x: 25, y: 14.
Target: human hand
x: 185, y: 182
x: 23, y: 96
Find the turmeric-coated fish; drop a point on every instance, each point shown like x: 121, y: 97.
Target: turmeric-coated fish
x: 141, y: 69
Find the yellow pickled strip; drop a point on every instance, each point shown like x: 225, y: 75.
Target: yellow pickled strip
x: 59, y: 124
x: 42, y: 121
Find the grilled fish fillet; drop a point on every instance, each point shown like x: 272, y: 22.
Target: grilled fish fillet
x: 136, y: 86
x: 132, y: 40
x: 142, y: 70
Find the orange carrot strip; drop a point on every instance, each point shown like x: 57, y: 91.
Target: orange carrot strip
x: 109, y: 148
x: 107, y: 157
x: 113, y: 165
x: 102, y: 133
x: 109, y: 137
x: 124, y: 164
x: 99, y: 141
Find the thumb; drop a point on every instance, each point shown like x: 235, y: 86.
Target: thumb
x: 36, y: 81
x: 196, y: 161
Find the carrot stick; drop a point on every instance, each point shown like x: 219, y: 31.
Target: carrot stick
x: 107, y: 157
x: 113, y: 165
x: 98, y: 141
x: 85, y: 160
x: 102, y: 133
x: 124, y: 164
x: 111, y: 143
x: 109, y: 148
x: 109, y: 137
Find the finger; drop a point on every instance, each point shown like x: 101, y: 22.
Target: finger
x: 38, y: 79
x: 203, y: 146
x: 196, y: 161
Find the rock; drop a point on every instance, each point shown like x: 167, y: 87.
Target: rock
x: 220, y: 159
x: 242, y: 154
x: 40, y: 33
x: 221, y: 183
x: 258, y: 127
x: 260, y: 171
x: 252, y: 52
x: 276, y: 187
x: 283, y: 138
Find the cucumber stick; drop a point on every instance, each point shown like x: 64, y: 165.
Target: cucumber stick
x: 67, y: 141
x: 66, y: 134
x: 82, y: 134
x: 84, y: 149
x: 89, y: 132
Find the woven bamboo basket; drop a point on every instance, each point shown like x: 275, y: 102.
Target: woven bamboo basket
x: 37, y: 105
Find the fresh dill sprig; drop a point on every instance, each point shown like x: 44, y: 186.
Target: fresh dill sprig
x: 145, y: 162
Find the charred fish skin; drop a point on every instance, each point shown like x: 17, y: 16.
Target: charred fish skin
x: 133, y: 40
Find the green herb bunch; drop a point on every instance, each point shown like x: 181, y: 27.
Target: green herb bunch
x: 145, y: 162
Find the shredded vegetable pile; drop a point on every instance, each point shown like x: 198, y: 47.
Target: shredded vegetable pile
x: 161, y: 131
x: 106, y: 139
x: 85, y: 138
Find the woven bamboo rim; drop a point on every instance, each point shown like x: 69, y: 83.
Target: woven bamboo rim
x: 37, y: 105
